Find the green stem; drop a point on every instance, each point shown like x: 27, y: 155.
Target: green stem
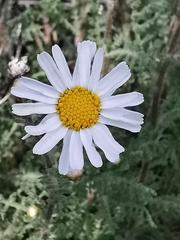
x: 13, y: 204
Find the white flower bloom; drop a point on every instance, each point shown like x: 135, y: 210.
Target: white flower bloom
x: 78, y: 107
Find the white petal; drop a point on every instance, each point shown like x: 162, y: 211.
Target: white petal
x: 104, y: 140
x: 124, y: 125
x: 123, y: 114
x: 64, y: 157
x: 24, y: 92
x: 84, y: 60
x: 52, y: 72
x: 91, y: 46
x: 76, y: 151
x: 49, y: 140
x: 26, y: 136
x: 39, y: 87
x: 24, y: 109
x: 92, y: 154
x: 122, y: 100
x: 48, y: 124
x: 113, y: 80
x: 62, y: 65
x: 76, y: 78
x: 96, y: 70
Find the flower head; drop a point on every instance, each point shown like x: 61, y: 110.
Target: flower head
x: 78, y: 107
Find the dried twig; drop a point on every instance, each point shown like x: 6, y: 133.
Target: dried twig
x: 107, y: 32
x: 5, y: 98
x: 160, y: 80
x: 159, y: 85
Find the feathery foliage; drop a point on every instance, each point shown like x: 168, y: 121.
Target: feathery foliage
x: 138, y: 198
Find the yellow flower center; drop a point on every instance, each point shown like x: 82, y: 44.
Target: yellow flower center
x: 78, y: 108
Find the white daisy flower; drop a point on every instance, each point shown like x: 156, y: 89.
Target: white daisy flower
x: 78, y: 107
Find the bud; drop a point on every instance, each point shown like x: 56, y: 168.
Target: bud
x: 74, y: 174
x: 91, y: 194
x: 17, y: 67
x: 32, y: 211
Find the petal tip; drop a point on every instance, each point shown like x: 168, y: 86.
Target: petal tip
x: 62, y: 171
x: 35, y: 151
x: 55, y: 47
x: 98, y: 165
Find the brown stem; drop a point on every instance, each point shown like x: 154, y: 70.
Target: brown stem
x: 175, y: 37
x: 160, y: 80
x: 144, y: 172
x: 159, y: 84
x: 158, y: 90
x: 47, y: 30
x: 48, y: 162
x: 49, y: 212
x: 107, y: 32
x: 108, y: 23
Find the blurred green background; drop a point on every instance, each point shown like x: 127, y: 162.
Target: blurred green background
x: 136, y: 199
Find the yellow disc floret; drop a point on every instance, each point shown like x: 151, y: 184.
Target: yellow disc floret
x: 78, y: 108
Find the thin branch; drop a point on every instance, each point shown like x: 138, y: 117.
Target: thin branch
x: 160, y: 80
x: 48, y: 162
x: 107, y: 32
x: 158, y: 91
x: 159, y: 85
x: 144, y: 172
x: 5, y: 98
